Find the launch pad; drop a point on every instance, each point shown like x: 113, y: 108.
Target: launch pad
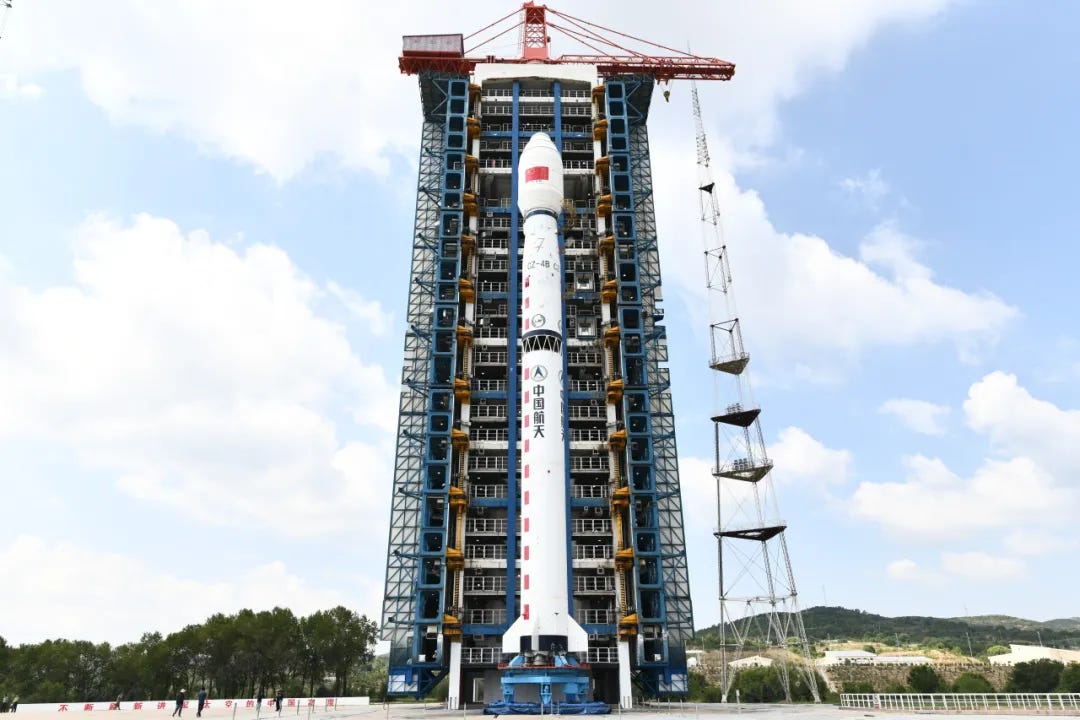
x: 567, y: 673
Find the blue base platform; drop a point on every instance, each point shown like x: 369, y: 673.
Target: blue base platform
x: 565, y: 671
x: 559, y: 708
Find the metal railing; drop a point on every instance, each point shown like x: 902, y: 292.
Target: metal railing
x: 582, y: 358
x: 485, y: 526
x: 489, y: 331
x: 588, y: 412
x: 592, y: 552
x: 481, y: 655
x: 479, y: 434
x: 477, y: 411
x: 486, y: 286
x: 588, y: 491
x: 481, y: 385
x: 487, y: 462
x: 595, y: 617
x: 589, y: 462
x: 485, y: 552
x: 594, y: 584
x: 585, y: 385
x: 588, y: 435
x: 488, y: 616
x: 484, y: 584
x: 591, y: 526
x: 491, y: 492
x: 1014, y: 702
x: 603, y: 655
x: 492, y: 264
x: 490, y: 357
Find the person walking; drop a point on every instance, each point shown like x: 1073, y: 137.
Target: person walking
x: 179, y: 711
x: 278, y: 697
x: 202, y: 701
x: 15, y: 703
x: 258, y: 702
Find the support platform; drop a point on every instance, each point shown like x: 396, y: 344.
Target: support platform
x: 567, y: 672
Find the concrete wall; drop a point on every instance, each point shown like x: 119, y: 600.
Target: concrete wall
x: 882, y: 676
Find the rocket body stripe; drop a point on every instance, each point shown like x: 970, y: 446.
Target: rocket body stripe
x: 544, y: 599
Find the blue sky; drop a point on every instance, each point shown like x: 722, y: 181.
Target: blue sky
x: 204, y: 246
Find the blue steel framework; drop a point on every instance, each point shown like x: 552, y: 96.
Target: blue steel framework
x: 451, y: 563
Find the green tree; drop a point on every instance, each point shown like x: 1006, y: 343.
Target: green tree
x: 969, y: 682
x: 1070, y: 679
x: 759, y: 684
x: 800, y: 687
x: 1038, y: 676
x: 923, y: 679
x: 997, y: 650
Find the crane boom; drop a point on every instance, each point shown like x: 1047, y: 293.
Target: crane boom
x: 615, y: 54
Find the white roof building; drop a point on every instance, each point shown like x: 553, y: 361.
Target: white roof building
x: 1027, y: 653
x: 752, y: 661
x: 846, y: 657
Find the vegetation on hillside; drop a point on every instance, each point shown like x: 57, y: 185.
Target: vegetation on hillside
x: 969, y: 636
x: 330, y: 652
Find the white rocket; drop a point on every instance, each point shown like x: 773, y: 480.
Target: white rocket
x: 545, y: 624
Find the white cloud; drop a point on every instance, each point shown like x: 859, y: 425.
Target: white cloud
x: 918, y: 415
x: 799, y: 298
x: 1018, y: 423
x: 370, y: 311
x: 934, y: 502
x: 1026, y: 541
x: 62, y: 590
x: 800, y: 457
x: 980, y: 567
x: 887, y: 247
x: 1029, y: 484
x: 11, y: 88
x: 279, y: 89
x: 869, y: 189
x: 197, y: 373
x: 904, y: 570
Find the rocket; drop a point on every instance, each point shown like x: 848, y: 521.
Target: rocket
x: 545, y: 624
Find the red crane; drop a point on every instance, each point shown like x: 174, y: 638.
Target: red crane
x: 614, y: 52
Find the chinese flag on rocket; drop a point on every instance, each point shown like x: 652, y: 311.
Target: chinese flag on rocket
x: 534, y: 174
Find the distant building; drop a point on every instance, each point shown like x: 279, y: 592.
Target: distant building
x: 1027, y: 653
x: 749, y: 662
x: 846, y: 657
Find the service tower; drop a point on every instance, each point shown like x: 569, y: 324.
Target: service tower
x: 536, y: 551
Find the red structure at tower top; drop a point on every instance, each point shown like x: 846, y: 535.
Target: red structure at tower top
x: 615, y: 54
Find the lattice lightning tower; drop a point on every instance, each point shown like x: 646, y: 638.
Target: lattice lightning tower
x: 758, y: 601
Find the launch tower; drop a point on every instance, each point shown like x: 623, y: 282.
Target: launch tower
x: 459, y: 533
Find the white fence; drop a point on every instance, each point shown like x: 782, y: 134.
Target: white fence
x: 289, y: 706
x: 1057, y: 703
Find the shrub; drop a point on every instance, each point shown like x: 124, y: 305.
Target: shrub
x: 970, y: 682
x: 857, y: 687
x: 923, y: 679
x: 1070, y: 679
x: 759, y: 684
x: 1038, y: 676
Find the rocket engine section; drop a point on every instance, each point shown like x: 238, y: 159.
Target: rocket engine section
x: 546, y: 624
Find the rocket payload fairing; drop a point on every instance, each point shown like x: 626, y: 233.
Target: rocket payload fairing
x: 545, y: 624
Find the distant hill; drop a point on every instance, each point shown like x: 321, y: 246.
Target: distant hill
x: 835, y: 624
